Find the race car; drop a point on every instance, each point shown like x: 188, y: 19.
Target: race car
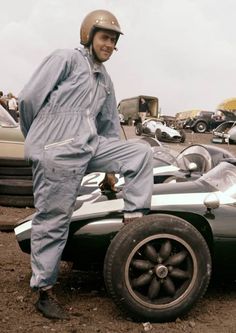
x: 157, y: 128
x: 156, y: 268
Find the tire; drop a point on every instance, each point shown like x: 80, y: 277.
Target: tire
x: 138, y: 129
x: 156, y: 269
x: 16, y: 187
x: 200, y: 127
x: 16, y: 201
x: 158, y: 134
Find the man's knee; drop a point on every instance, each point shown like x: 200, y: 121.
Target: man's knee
x: 144, y: 151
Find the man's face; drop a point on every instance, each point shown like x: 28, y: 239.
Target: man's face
x: 104, y: 42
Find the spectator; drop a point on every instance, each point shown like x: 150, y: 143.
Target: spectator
x: 12, y: 106
x: 3, y: 101
x: 143, y: 109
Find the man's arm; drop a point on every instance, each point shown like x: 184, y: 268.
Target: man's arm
x: 37, y: 92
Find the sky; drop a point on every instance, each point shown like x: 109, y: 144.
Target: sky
x: 181, y: 51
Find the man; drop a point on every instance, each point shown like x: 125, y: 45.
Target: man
x: 3, y: 101
x: 143, y: 109
x: 12, y: 106
x: 70, y: 121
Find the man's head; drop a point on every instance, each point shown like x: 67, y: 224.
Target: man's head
x: 100, y: 32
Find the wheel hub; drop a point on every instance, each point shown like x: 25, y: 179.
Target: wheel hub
x: 161, y: 271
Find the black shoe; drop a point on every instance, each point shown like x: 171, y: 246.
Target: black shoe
x: 49, y: 306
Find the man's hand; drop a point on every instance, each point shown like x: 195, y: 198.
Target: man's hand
x: 108, y: 183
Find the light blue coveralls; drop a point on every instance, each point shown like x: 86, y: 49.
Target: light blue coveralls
x: 69, y: 117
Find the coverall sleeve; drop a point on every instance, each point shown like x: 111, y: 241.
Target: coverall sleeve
x: 35, y: 94
x: 108, y: 123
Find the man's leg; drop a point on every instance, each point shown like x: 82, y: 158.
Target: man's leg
x: 55, y: 191
x: 132, y: 160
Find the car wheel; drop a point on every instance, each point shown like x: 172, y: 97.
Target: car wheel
x: 16, y: 186
x: 155, y: 269
x: 158, y: 134
x: 138, y: 129
x: 200, y: 127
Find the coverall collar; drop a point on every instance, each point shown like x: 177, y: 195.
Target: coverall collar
x: 95, y: 67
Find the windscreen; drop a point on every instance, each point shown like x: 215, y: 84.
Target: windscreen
x: 222, y: 178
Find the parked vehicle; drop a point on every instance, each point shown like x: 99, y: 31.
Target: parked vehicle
x: 15, y: 171
x: 11, y: 138
x: 158, y: 129
x: 129, y: 108
x: 206, y: 121
x: 156, y: 269
x: 225, y: 133
x: 200, y: 122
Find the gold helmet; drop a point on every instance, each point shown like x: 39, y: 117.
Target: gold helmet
x: 100, y: 19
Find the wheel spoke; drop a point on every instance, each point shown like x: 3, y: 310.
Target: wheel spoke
x: 143, y: 265
x: 176, y: 259
x: 151, y: 253
x: 154, y: 288
x: 169, y: 286
x: 142, y: 280
x: 165, y: 251
x: 179, y: 274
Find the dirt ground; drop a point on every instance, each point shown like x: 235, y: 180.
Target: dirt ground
x: 85, y: 297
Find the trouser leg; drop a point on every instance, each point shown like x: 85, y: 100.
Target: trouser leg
x: 142, y: 116
x: 132, y: 160
x: 55, y: 193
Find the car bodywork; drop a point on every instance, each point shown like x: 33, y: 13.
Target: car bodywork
x: 11, y: 138
x: 156, y: 268
x: 159, y: 130
x: 225, y: 133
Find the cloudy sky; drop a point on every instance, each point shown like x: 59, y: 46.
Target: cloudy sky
x: 182, y: 51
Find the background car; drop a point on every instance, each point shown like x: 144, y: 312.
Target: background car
x: 200, y: 122
x: 225, y: 133
x: 15, y: 171
x: 206, y: 121
x: 157, y: 268
x: 11, y: 138
x: 158, y: 129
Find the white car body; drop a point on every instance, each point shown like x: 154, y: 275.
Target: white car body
x: 158, y: 129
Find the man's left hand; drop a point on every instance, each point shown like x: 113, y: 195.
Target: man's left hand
x: 108, y: 183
